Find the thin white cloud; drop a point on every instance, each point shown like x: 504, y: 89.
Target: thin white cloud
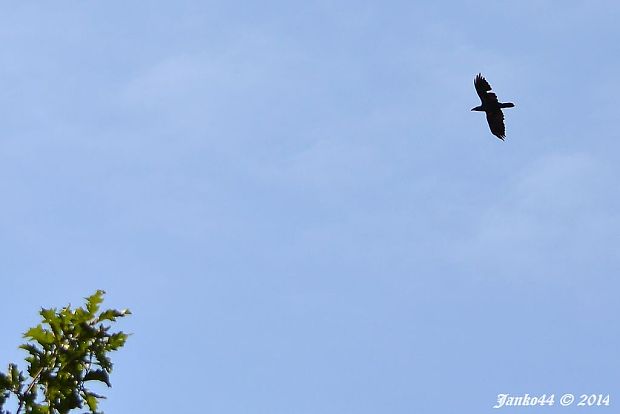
x: 557, y: 213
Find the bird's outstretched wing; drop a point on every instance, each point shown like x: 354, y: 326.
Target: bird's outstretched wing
x: 483, y: 89
x: 496, y: 123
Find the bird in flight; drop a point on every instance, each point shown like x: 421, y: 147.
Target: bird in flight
x: 491, y: 107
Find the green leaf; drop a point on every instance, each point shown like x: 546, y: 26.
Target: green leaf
x: 98, y: 375
x: 92, y: 402
x: 112, y: 314
x: 32, y: 350
x: 103, y: 361
x: 39, y: 409
x: 5, y: 382
x: 69, y: 402
x: 93, y: 301
x: 116, y: 341
x: 15, y: 375
x: 40, y: 335
x: 48, y: 314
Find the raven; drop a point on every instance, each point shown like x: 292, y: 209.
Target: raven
x: 491, y: 106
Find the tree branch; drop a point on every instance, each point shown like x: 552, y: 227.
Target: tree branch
x: 22, y: 397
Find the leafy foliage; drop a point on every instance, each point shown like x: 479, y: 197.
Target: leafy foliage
x: 66, y: 352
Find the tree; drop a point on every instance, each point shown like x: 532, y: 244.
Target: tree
x: 66, y: 353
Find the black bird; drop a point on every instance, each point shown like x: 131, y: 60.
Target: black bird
x: 491, y: 106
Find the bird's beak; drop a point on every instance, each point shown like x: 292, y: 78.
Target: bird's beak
x: 473, y: 109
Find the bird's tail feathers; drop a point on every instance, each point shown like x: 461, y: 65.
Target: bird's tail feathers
x: 506, y: 105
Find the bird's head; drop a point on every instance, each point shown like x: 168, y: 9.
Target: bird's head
x: 478, y: 108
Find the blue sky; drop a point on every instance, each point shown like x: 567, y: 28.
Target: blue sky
x: 300, y: 209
